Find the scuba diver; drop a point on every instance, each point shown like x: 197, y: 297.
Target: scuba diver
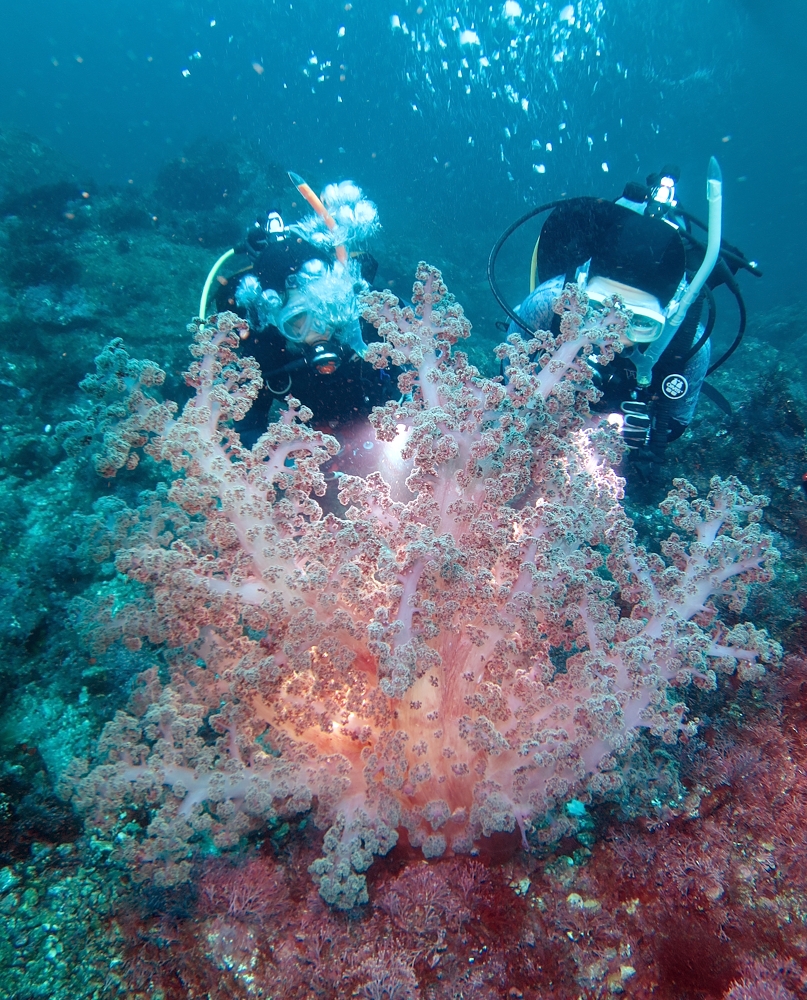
x: 300, y: 293
x: 639, y: 248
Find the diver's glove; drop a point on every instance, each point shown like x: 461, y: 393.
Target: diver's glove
x: 262, y: 305
x: 256, y: 241
x: 635, y: 426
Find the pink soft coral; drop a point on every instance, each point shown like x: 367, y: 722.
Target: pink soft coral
x: 451, y: 659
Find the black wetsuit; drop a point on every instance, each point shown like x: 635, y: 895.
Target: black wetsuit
x: 352, y: 390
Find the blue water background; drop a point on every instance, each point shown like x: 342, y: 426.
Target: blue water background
x: 673, y: 82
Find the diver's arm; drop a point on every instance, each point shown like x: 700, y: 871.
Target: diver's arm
x: 536, y: 310
x: 681, y: 411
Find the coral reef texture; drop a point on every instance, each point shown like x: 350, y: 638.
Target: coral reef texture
x: 458, y: 637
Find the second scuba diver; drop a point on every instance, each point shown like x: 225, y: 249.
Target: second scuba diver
x: 300, y: 294
x: 640, y: 249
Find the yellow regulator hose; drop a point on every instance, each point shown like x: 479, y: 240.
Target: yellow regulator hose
x: 209, y: 282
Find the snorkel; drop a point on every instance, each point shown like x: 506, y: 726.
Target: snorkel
x: 687, y: 293
x: 307, y: 192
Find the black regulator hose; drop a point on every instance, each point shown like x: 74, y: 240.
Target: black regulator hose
x: 728, y: 279
x: 729, y: 252
x: 494, y: 253
x: 735, y: 289
x: 710, y: 325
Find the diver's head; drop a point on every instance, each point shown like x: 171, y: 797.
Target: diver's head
x: 320, y: 306
x: 319, y: 342
x: 647, y: 313
x: 643, y: 260
x: 320, y: 314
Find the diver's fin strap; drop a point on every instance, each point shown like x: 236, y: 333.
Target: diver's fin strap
x: 717, y: 398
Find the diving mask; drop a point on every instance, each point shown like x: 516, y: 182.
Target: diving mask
x: 647, y: 319
x: 299, y: 323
